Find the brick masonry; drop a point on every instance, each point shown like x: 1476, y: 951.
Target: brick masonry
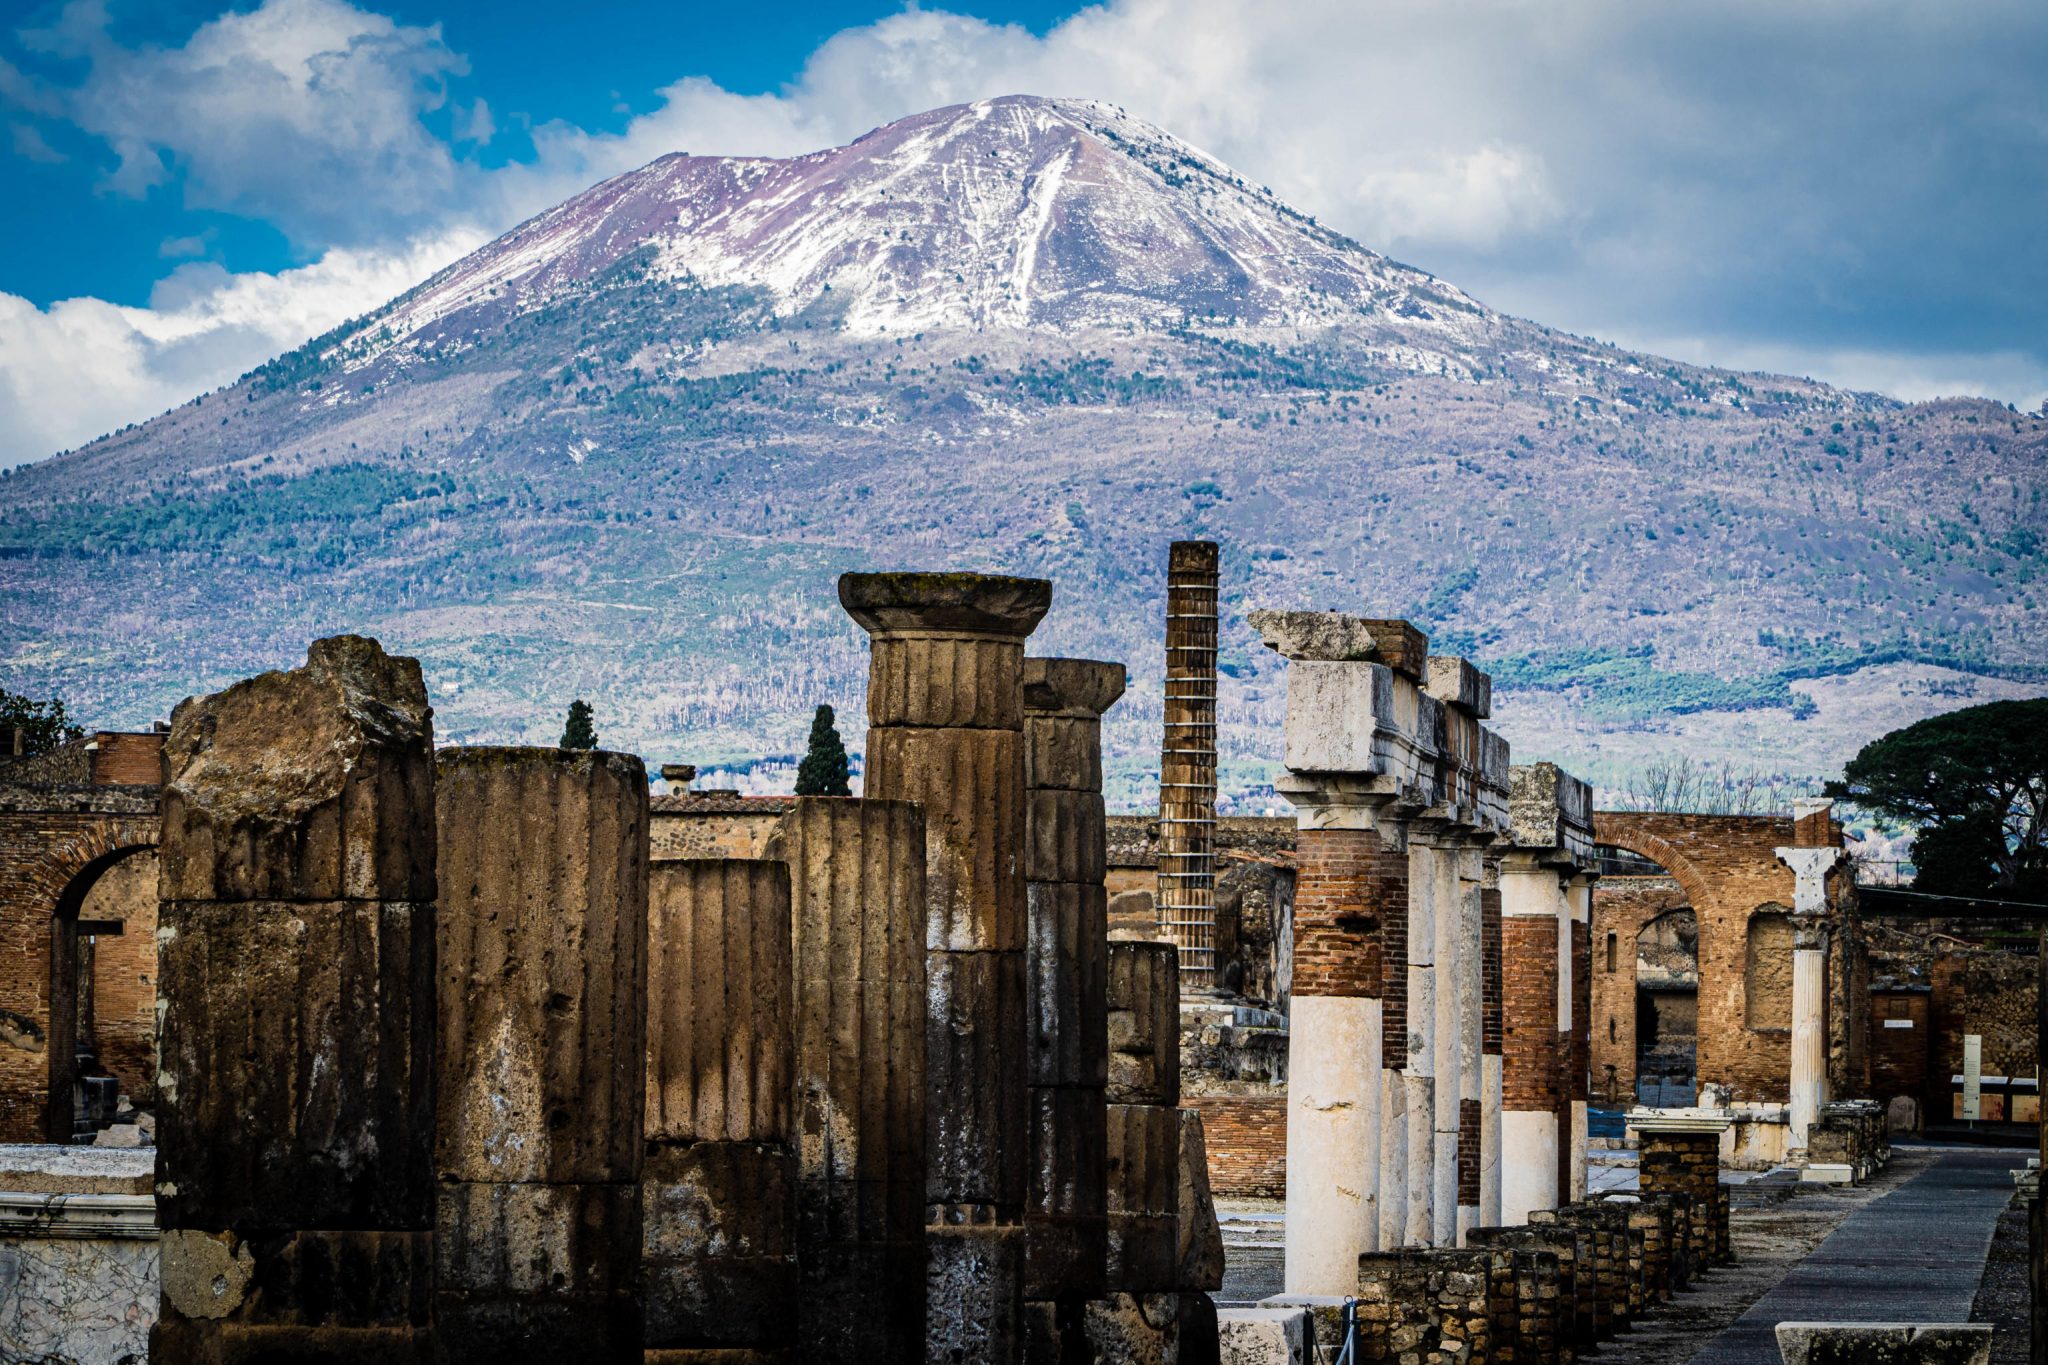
x: 1345, y: 884
x: 1247, y: 1141
x: 1530, y: 1069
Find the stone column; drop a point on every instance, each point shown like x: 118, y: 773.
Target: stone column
x: 1808, y: 1088
x: 718, y: 1188
x: 858, y: 911
x: 1143, y: 1170
x: 1066, y: 964
x: 1186, y: 896
x: 1580, y: 1047
x: 1471, y: 1027
x: 1530, y: 1037
x: 1419, y: 1076
x: 540, y: 1124
x: 946, y: 720
x: 296, y: 1005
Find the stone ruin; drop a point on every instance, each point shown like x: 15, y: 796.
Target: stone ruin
x: 453, y: 1069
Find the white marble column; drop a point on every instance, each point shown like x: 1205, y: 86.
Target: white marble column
x: 1419, y: 1080
x: 1807, y: 1089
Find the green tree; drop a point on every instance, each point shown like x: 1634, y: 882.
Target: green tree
x: 581, y: 731
x: 1975, y: 783
x: 823, y: 771
x: 43, y: 724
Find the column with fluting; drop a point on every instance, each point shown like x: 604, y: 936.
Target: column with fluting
x: 1066, y: 966
x: 1808, y: 1082
x: 1186, y: 895
x: 540, y: 1122
x: 718, y: 1186
x: 858, y: 912
x: 946, y: 720
x: 296, y: 1013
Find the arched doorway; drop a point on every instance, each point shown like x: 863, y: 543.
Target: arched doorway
x: 1667, y: 978
x: 102, y: 992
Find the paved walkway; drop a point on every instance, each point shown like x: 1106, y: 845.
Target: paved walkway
x: 1915, y: 1255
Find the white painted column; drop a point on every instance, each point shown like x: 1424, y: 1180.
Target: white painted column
x: 1333, y: 1140
x: 1449, y: 1054
x: 1580, y: 894
x: 1807, y: 1087
x: 1418, y: 1081
x: 1528, y: 1180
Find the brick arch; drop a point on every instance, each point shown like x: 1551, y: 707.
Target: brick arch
x: 52, y: 858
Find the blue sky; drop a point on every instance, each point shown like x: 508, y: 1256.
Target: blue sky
x: 1853, y: 189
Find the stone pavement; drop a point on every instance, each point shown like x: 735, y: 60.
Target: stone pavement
x: 1915, y: 1255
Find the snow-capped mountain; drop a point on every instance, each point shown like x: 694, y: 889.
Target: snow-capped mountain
x: 622, y: 452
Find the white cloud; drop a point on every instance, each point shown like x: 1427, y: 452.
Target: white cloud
x: 83, y: 367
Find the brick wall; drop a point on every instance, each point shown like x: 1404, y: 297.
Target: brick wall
x: 135, y: 760
x: 1247, y: 1137
x: 1898, y: 1045
x: 1991, y: 994
x: 124, y: 973
x: 1622, y: 908
x: 1530, y: 1070
x: 1727, y: 868
x: 1345, y: 884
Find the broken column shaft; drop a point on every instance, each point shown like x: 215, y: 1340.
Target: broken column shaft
x: 1143, y: 995
x: 718, y: 1187
x: 1066, y: 966
x: 296, y: 1083
x: 543, y: 1026
x: 1186, y: 896
x: 945, y: 715
x: 857, y: 880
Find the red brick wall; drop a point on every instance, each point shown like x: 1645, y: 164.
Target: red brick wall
x: 127, y: 760
x: 1898, y: 1056
x: 1247, y: 1137
x: 1529, y: 1038
x: 1728, y: 868
x: 1622, y: 906
x: 124, y: 974
x: 1344, y: 885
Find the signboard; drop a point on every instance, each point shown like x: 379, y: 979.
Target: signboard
x: 1973, y: 1075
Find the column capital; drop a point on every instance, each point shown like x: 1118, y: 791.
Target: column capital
x: 1081, y: 689
x: 1809, y: 934
x: 1344, y: 801
x: 949, y: 604
x: 1810, y: 868
x: 1551, y: 812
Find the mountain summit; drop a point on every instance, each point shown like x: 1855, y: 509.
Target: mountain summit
x: 623, y: 452
x: 1013, y: 212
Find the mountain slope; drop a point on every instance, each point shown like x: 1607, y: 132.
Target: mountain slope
x: 623, y: 451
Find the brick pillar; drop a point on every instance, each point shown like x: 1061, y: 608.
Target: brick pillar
x: 857, y: 896
x: 1579, y: 1084
x: 296, y: 992
x: 1347, y: 875
x: 543, y: 1039
x: 1681, y: 1154
x: 1492, y: 1065
x: 718, y: 1188
x: 946, y: 720
x: 1066, y: 964
x: 1186, y: 895
x: 1530, y: 1040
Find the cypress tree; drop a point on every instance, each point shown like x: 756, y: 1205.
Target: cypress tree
x: 581, y: 731
x: 823, y: 771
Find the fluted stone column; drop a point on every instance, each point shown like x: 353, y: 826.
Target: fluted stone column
x: 1143, y: 1171
x: 1808, y: 1087
x: 858, y: 910
x: 542, y: 1044
x: 296, y: 1007
x: 718, y: 1188
x: 945, y: 716
x: 1066, y: 967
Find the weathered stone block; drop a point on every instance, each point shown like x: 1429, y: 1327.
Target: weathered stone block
x: 1264, y: 1336
x: 1143, y: 1001
x: 1068, y: 961
x: 718, y: 1262
x: 1885, y: 1343
x: 971, y: 786
x: 1065, y: 1216
x: 313, y: 784
x: 975, y: 1066
x: 972, y: 1311
x: 536, y: 1239
x: 1143, y: 1177
x: 1134, y: 1329
x: 1455, y: 682
x: 1201, y: 1237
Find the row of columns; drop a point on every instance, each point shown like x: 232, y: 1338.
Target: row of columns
x: 851, y: 1099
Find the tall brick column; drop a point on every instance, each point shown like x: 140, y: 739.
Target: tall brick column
x: 1186, y: 896
x: 1550, y: 837
x: 1066, y: 966
x: 540, y: 1123
x: 1492, y: 1063
x: 1359, y: 993
x: 946, y: 720
x: 296, y: 990
x: 718, y: 1189
x: 858, y: 911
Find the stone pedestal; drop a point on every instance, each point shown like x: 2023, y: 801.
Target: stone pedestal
x: 1066, y: 967
x: 945, y: 718
x: 858, y: 912
x: 718, y: 1189
x: 296, y: 995
x: 1679, y: 1152
x: 542, y: 1044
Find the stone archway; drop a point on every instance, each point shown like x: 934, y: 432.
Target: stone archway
x: 72, y: 1044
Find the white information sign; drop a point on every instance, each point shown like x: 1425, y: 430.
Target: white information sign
x: 1973, y: 1074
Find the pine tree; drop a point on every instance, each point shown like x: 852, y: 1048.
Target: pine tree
x: 823, y: 771
x: 581, y: 731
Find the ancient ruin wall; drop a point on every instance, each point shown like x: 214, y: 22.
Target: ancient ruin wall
x: 1187, y: 763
